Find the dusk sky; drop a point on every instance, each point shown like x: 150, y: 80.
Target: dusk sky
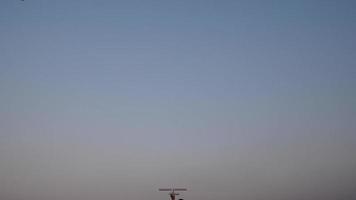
x: 234, y: 100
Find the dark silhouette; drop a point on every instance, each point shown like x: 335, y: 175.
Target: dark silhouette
x: 172, y: 193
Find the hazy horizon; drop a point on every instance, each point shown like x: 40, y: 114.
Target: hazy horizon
x: 234, y: 100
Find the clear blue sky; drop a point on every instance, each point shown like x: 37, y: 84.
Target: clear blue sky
x: 235, y: 100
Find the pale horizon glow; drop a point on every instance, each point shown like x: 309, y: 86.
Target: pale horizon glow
x: 234, y: 100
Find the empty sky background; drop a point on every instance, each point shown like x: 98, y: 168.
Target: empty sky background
x: 235, y: 100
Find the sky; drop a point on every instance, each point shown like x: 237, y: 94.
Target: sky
x: 234, y: 100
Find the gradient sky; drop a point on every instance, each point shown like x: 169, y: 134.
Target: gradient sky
x: 235, y: 100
